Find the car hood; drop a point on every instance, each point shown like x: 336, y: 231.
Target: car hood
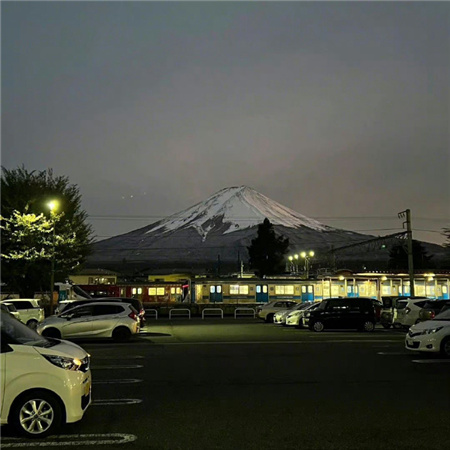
x: 52, y: 319
x: 63, y: 348
x: 430, y: 324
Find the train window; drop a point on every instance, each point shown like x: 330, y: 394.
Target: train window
x: 284, y: 290
x: 152, y: 291
x: 176, y: 290
x: 212, y: 289
x: 139, y: 291
x: 219, y: 289
x: 258, y: 289
x: 304, y: 289
x: 310, y: 289
x: 238, y: 289
x: 160, y: 291
x: 133, y: 291
x: 264, y: 289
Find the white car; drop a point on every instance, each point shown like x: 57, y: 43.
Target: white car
x: 295, y: 319
x: 267, y: 311
x: 280, y: 316
x: 30, y: 310
x: 44, y: 383
x: 431, y: 336
x: 411, y: 312
x: 115, y: 320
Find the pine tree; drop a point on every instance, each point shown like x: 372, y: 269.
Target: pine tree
x: 267, y: 251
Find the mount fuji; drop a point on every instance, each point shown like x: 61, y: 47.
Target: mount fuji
x: 215, y: 232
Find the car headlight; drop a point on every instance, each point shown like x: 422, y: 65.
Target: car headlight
x: 73, y: 364
x: 432, y: 330
x: 307, y: 314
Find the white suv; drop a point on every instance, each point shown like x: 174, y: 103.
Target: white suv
x: 411, y: 312
x: 43, y: 383
x: 30, y: 310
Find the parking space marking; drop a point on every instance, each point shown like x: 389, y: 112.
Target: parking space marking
x: 118, y: 381
x: 116, y: 401
x: 431, y: 361
x: 73, y: 440
x: 392, y: 353
x: 135, y: 366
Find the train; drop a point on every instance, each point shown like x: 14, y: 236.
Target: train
x: 253, y: 290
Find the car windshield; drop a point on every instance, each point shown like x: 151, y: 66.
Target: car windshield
x: 445, y: 315
x: 15, y: 332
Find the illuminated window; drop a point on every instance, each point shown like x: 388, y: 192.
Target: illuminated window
x: 258, y: 289
x: 172, y: 290
x: 284, y: 290
x: 178, y: 290
x: 152, y: 291
x: 444, y: 289
x: 304, y: 289
x: 160, y: 291
x: 212, y: 289
x: 310, y: 289
x: 133, y: 291
x: 139, y: 291
x: 264, y: 289
x: 238, y: 289
x: 219, y: 289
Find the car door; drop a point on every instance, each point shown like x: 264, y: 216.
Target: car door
x: 77, y: 322
x: 105, y: 318
x: 332, y: 315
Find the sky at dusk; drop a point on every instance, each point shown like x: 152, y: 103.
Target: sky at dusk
x: 337, y: 110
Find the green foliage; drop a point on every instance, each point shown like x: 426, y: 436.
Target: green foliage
x: 267, y: 251
x: 398, y: 257
x: 32, y: 235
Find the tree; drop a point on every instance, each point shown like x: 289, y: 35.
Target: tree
x: 398, y: 257
x: 267, y: 251
x: 446, y: 233
x: 32, y: 236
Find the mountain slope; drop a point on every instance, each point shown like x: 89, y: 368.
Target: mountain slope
x: 216, y: 231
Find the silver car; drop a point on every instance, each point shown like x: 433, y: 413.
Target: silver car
x: 103, y: 319
x: 279, y: 317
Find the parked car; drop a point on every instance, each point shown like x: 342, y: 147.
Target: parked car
x: 431, y: 336
x: 44, y: 383
x: 432, y: 308
x: 280, y: 316
x: 295, y: 318
x: 11, y: 309
x: 30, y: 310
x: 116, y: 320
x: 267, y: 311
x: 411, y: 312
x: 400, y: 308
x: 65, y: 305
x: 348, y: 312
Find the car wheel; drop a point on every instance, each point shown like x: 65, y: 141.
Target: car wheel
x: 269, y: 318
x: 318, y: 326
x: 36, y: 414
x: 445, y: 347
x: 52, y: 333
x: 121, y: 334
x: 386, y: 325
x: 368, y: 326
x: 32, y: 323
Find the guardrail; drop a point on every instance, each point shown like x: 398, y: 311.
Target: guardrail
x: 243, y: 312
x: 152, y: 311
x: 213, y: 310
x: 182, y: 310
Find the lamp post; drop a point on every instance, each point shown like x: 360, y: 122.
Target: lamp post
x: 53, y: 206
x: 307, y: 257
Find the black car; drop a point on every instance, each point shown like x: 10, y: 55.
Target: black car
x: 348, y: 312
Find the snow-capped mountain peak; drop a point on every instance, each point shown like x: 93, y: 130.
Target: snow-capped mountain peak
x: 232, y: 209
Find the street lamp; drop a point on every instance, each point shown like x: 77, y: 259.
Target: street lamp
x: 307, y: 257
x: 53, y: 206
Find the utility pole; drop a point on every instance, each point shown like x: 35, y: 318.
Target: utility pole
x: 407, y: 215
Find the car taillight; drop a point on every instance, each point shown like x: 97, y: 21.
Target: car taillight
x: 432, y: 315
x: 407, y: 310
x: 133, y: 315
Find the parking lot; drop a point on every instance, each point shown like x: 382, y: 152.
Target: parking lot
x: 244, y: 384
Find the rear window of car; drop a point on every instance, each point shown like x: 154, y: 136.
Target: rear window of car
x: 402, y: 304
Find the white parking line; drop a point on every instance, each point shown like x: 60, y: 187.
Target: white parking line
x: 431, y: 361
x: 119, y: 381
x: 135, y: 366
x: 73, y: 440
x: 116, y: 401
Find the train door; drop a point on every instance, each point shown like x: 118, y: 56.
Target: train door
x: 352, y: 290
x: 262, y: 293
x: 215, y: 293
x: 444, y: 293
x: 307, y: 293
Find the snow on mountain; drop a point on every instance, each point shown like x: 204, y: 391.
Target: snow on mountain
x: 238, y: 208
